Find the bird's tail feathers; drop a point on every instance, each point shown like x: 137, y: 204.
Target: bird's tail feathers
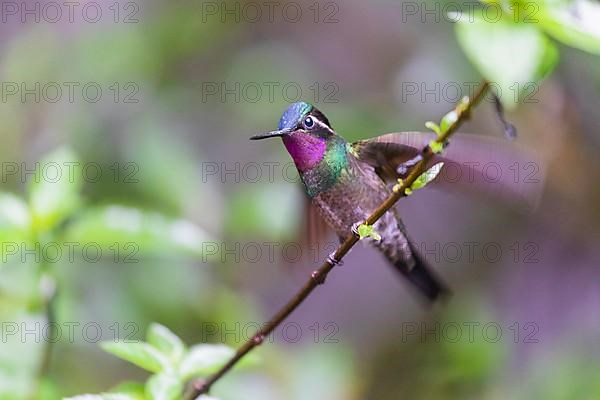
x: 423, y: 278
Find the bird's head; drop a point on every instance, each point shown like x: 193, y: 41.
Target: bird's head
x: 305, y: 132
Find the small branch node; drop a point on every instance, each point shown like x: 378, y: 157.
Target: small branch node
x: 200, y: 386
x: 317, y: 277
x: 258, y: 339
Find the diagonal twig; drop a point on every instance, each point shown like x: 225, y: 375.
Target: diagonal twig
x: 202, y: 386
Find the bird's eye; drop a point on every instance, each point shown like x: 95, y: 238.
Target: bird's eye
x: 309, y: 122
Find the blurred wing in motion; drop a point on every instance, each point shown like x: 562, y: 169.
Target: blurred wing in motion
x: 316, y: 229
x: 497, y: 168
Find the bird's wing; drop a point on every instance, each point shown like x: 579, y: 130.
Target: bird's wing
x: 490, y: 166
x: 314, y: 230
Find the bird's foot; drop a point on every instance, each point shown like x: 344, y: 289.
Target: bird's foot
x: 334, y: 261
x: 403, y: 168
x: 355, y: 228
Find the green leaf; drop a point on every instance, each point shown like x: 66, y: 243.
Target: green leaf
x: 575, y: 23
x: 18, y: 357
x: 141, y: 354
x: 13, y: 212
x: 433, y: 126
x: 15, y: 220
x: 448, y: 120
x: 204, y: 359
x: 103, y: 396
x: 147, y: 232
x: 436, y: 147
x: 124, y: 391
x: 511, y: 56
x: 463, y: 104
x: 54, y: 191
x: 164, y: 386
x: 131, y: 388
x: 427, y: 176
x: 166, y: 342
x: 396, y: 188
x: 365, y: 231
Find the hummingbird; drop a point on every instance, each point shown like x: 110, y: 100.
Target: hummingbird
x: 347, y: 181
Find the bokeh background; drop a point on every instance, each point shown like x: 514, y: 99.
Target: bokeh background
x: 202, y: 206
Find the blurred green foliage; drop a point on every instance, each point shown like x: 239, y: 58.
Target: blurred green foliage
x: 55, y: 214
x: 171, y: 211
x: 513, y: 49
x: 170, y: 361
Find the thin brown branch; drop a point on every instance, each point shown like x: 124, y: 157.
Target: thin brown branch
x: 319, y: 275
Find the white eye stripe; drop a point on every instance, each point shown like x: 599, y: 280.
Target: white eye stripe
x: 321, y: 124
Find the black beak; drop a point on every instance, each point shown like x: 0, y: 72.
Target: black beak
x: 281, y: 132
